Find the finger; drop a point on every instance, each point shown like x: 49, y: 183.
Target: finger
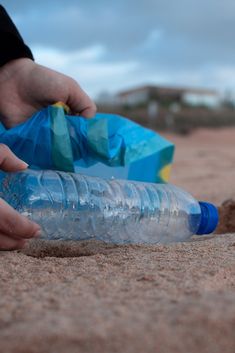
x: 15, y: 225
x: 7, y: 243
x: 9, y: 162
x: 79, y: 102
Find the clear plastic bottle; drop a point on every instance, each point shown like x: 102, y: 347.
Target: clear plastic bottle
x: 76, y: 207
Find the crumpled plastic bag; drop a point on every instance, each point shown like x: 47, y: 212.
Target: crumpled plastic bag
x: 107, y: 145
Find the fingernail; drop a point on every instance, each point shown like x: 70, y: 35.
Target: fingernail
x: 38, y: 233
x: 22, y: 244
x: 26, y: 242
x: 25, y: 164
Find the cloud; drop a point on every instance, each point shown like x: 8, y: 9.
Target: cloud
x: 133, y: 41
x: 86, y: 66
x: 126, y: 24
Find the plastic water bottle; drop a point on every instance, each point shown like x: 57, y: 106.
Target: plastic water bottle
x: 77, y: 207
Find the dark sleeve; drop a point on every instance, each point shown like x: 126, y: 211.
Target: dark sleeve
x: 12, y: 45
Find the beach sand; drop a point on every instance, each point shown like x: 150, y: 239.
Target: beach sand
x: 91, y: 297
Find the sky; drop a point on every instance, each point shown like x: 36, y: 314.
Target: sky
x: 108, y: 46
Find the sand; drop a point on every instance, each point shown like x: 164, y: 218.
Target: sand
x: 91, y: 297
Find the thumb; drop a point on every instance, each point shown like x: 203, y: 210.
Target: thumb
x: 9, y: 162
x: 78, y: 101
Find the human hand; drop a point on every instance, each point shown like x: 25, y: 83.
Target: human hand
x: 14, y: 228
x: 26, y: 87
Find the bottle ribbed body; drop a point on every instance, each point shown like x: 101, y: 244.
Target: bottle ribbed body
x: 76, y: 207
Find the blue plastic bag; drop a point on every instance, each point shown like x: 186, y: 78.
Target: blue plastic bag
x: 106, y: 146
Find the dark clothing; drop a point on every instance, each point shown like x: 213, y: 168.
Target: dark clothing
x: 12, y: 45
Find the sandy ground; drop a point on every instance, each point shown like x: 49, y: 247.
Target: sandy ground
x: 91, y: 297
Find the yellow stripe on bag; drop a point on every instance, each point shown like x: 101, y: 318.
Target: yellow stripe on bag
x: 165, y: 173
x: 63, y: 105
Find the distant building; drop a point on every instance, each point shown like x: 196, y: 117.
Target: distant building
x: 189, y: 96
x: 107, y: 98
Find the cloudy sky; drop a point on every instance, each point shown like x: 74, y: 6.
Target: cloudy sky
x: 113, y: 45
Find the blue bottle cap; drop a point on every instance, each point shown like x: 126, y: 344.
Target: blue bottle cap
x: 209, y: 218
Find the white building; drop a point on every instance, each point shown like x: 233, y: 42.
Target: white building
x: 189, y: 96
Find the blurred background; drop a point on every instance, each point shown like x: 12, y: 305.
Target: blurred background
x: 166, y: 64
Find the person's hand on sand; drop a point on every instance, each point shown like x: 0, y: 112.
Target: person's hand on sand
x: 26, y: 87
x: 15, y: 229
